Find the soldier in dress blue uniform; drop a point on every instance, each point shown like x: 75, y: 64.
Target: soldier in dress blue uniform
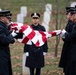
x: 66, y: 45
x: 35, y: 55
x: 5, y: 39
x: 68, y: 56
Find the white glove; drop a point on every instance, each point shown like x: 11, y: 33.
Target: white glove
x: 62, y: 35
x: 58, y: 32
x: 13, y: 33
x: 44, y: 53
x: 27, y: 53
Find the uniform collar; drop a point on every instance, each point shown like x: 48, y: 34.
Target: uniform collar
x: 35, y: 25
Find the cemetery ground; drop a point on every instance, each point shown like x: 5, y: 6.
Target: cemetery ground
x: 51, y: 62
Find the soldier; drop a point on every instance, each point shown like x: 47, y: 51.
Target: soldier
x: 68, y: 56
x: 66, y: 45
x: 35, y: 55
x: 5, y: 40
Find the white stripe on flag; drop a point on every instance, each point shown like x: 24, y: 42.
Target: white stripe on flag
x: 27, y: 31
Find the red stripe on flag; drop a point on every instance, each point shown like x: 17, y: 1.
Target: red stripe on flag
x: 52, y: 33
x: 37, y: 43
x: 23, y: 28
x: 25, y: 40
x: 31, y: 35
x: 43, y: 36
x: 13, y: 25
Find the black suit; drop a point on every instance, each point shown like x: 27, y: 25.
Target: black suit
x: 66, y: 47
x: 36, y: 57
x: 5, y: 40
x: 68, y: 58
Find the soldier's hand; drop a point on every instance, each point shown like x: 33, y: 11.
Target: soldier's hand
x: 13, y: 33
x: 62, y: 35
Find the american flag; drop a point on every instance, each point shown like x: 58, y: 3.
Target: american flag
x: 30, y: 35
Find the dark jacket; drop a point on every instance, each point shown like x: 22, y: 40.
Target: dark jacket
x: 71, y: 37
x: 5, y: 40
x: 66, y: 47
x: 36, y: 57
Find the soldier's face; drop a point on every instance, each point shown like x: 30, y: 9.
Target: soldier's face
x: 75, y: 16
x: 5, y: 20
x: 9, y: 17
x: 35, y: 20
x: 68, y: 15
